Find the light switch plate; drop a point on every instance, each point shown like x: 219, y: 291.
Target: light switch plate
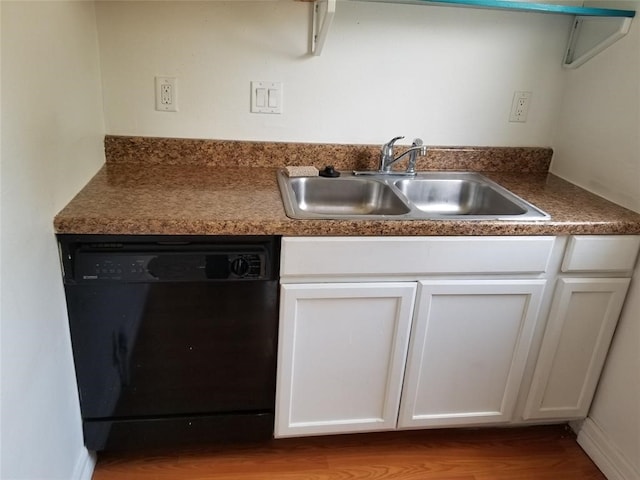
x: 266, y: 97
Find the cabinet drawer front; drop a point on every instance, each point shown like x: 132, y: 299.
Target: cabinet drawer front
x: 601, y: 253
x: 361, y: 256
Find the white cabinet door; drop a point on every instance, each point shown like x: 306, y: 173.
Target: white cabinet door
x: 468, y: 349
x: 581, y: 324
x: 341, y: 356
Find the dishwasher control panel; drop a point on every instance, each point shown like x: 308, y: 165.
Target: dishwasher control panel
x: 174, y: 266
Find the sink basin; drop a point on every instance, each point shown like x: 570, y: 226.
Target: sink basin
x: 345, y: 196
x: 425, y: 196
x: 457, y: 197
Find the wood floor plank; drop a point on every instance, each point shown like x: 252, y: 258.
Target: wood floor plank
x: 533, y: 453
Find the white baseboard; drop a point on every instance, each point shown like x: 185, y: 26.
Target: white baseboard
x: 84, y: 465
x: 595, y: 442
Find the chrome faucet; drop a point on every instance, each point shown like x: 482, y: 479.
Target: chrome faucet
x: 387, y: 159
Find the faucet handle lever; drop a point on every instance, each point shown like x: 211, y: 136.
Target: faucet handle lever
x: 386, y: 153
x: 390, y: 143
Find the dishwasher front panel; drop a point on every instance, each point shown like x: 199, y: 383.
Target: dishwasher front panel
x: 169, y: 348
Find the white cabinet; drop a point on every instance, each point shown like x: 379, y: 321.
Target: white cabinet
x: 341, y: 358
x: 469, y: 346
x: 581, y: 323
x: 479, y: 353
x: 345, y: 320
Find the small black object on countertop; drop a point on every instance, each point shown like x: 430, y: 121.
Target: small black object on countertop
x: 329, y: 171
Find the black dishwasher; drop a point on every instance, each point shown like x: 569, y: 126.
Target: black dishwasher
x: 174, y: 338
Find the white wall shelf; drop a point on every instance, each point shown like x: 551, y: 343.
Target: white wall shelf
x: 323, y: 12
x: 593, y: 29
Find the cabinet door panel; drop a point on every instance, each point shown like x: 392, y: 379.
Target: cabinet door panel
x: 468, y: 350
x: 341, y: 356
x: 581, y: 324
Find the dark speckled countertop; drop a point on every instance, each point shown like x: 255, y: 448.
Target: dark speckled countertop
x: 208, y: 187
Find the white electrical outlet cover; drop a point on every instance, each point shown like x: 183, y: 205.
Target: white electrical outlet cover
x: 166, y: 94
x: 520, y: 107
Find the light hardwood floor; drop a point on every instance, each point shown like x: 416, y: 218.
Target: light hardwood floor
x: 533, y: 453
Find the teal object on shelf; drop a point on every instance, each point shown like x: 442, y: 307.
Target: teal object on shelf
x: 526, y: 7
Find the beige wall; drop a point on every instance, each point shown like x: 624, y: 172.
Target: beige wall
x: 616, y: 408
x: 52, y: 131
x: 445, y: 74
x: 597, y: 146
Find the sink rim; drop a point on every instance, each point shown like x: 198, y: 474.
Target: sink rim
x: 531, y: 212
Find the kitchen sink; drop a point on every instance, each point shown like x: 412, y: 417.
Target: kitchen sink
x: 345, y: 196
x: 425, y: 196
x: 457, y: 196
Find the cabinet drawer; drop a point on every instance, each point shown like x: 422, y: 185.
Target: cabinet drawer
x: 362, y: 256
x: 601, y: 253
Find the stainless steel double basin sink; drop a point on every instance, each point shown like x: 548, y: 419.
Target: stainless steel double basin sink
x: 425, y: 196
